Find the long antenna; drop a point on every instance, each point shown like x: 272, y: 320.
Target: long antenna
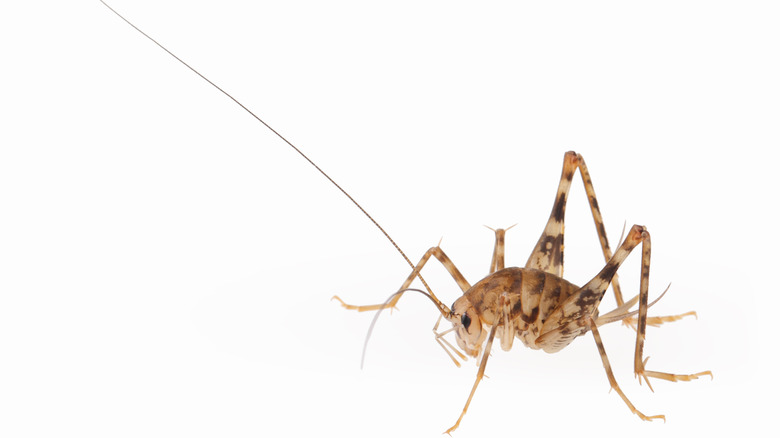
x: 278, y: 135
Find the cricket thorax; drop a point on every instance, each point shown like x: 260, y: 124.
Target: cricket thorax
x: 529, y: 295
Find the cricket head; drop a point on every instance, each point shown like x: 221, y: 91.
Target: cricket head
x: 469, y: 332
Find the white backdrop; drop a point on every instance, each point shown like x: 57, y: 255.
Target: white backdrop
x: 167, y: 263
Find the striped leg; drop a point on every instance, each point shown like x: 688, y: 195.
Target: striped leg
x: 594, y: 208
x: 480, y: 374
x: 548, y: 253
x: 597, y: 219
x: 599, y: 222
x: 436, y: 252
x: 639, y: 363
x: 611, y: 377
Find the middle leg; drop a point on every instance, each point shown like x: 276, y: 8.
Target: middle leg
x: 480, y: 374
x: 611, y: 377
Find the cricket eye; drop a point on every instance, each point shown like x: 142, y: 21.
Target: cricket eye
x: 465, y: 320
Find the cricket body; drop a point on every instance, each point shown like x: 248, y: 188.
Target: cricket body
x: 537, y: 305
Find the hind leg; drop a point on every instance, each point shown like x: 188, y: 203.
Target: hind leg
x: 642, y: 319
x: 548, y: 253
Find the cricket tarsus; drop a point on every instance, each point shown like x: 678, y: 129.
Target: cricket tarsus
x: 289, y: 143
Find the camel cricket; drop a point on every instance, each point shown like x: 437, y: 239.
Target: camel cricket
x: 533, y: 303
x: 536, y: 304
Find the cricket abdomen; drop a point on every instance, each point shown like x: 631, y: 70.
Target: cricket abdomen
x: 532, y: 295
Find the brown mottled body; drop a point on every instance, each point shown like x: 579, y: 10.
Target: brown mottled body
x: 532, y: 296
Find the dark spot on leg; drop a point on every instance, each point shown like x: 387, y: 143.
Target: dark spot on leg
x: 587, y: 299
x: 594, y: 202
x: 557, y: 251
x: 601, y: 230
x: 608, y: 272
x: 559, y: 209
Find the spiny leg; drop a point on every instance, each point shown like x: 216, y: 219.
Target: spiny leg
x: 657, y: 321
x: 599, y: 222
x: 639, y: 363
x: 623, y: 313
x: 480, y: 374
x: 436, y: 252
x: 601, y: 231
x: 611, y: 377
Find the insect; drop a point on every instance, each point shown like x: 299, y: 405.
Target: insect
x: 535, y: 303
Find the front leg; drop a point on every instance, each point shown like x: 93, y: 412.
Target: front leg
x: 480, y: 374
x: 436, y: 252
